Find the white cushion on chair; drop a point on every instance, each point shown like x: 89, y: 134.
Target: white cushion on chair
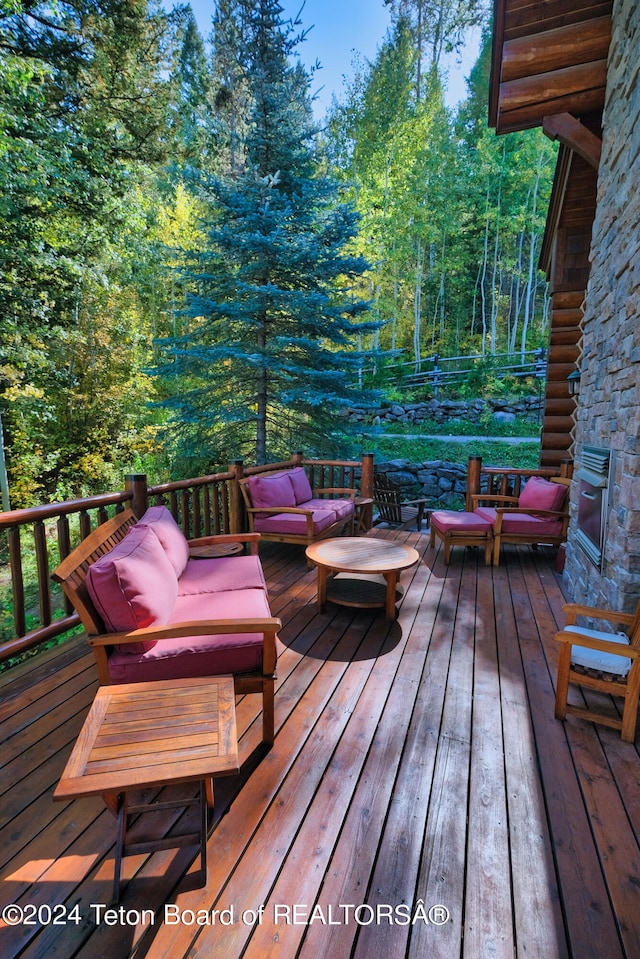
x: 597, y: 659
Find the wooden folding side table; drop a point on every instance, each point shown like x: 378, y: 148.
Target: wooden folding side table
x: 141, y: 735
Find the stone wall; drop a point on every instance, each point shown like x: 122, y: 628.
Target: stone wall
x: 443, y: 411
x: 443, y: 484
x: 609, y: 401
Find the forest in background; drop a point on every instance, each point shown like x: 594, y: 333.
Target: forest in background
x: 192, y: 269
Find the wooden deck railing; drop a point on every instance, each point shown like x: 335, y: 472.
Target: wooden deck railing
x: 37, y: 539
x: 505, y: 480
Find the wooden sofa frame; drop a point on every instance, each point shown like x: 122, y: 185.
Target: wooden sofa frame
x: 71, y: 575
x: 335, y: 529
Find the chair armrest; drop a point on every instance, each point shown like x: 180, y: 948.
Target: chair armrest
x: 495, y: 498
x: 345, y: 490
x: 573, y: 610
x: 604, y: 645
x: 279, y: 509
x: 199, y: 627
x: 222, y: 539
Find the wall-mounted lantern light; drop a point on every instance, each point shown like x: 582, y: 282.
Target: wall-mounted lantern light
x: 573, y: 381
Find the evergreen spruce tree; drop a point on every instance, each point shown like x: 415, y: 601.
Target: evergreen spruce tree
x: 268, y: 359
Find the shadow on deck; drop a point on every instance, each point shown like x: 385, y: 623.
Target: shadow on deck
x: 420, y: 799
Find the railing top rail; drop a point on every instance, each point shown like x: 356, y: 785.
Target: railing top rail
x: 189, y: 483
x: 289, y: 464
x: 515, y: 471
x: 35, y: 514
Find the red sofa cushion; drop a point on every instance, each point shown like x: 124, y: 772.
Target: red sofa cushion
x: 134, y: 585
x: 343, y: 508
x: 294, y: 523
x: 221, y: 575
x: 199, y: 655
x: 171, y: 537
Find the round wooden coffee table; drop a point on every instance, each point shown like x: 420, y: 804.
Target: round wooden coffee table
x: 364, y: 558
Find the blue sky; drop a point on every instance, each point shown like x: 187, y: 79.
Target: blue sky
x: 341, y: 28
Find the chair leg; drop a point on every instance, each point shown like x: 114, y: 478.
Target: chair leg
x: 447, y: 550
x: 496, y: 550
x: 630, y: 711
x: 488, y: 550
x: 268, y: 712
x: 562, y: 684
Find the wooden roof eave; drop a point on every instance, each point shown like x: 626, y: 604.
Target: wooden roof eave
x: 547, y: 69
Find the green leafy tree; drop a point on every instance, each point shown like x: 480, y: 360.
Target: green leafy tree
x: 84, y: 92
x: 268, y: 358
x: 438, y: 27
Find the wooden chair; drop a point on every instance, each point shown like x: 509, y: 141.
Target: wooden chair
x: 514, y: 523
x: 597, y: 660
x: 392, y: 509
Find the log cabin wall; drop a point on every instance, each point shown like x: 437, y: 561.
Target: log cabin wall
x: 609, y: 401
x: 565, y: 257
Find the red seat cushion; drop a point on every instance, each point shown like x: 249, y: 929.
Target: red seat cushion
x: 524, y: 524
x: 449, y: 521
x: 294, y: 523
x: 199, y: 655
x: 221, y: 575
x: 343, y: 508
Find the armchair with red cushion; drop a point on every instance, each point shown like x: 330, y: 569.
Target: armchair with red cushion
x: 540, y: 514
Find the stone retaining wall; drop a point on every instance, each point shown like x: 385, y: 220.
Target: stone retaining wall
x: 443, y: 411
x: 443, y: 484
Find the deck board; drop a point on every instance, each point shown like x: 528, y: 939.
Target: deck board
x: 414, y: 762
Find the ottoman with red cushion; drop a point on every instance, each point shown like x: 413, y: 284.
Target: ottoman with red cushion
x: 461, y: 529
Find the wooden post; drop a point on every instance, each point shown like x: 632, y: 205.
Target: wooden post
x: 297, y: 458
x: 474, y: 469
x: 237, y: 518
x: 366, y: 489
x: 566, y: 469
x: 136, y: 484
x: 366, y: 478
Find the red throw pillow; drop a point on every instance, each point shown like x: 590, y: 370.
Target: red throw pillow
x: 271, y: 491
x: 301, y: 486
x: 540, y: 494
x: 171, y: 537
x: 134, y: 585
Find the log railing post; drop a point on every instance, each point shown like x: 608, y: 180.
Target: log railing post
x: 136, y: 485
x: 236, y: 519
x: 366, y: 476
x: 474, y: 470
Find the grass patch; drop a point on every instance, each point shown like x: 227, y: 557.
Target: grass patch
x: 519, y: 428
x: 493, y: 453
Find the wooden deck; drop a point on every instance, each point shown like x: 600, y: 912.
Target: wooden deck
x: 418, y: 775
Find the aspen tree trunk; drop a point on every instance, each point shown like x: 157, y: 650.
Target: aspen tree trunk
x: 417, y: 302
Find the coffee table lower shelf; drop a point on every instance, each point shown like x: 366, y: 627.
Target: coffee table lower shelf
x: 360, y: 591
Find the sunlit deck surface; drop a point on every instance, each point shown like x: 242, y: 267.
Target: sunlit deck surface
x: 416, y: 763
